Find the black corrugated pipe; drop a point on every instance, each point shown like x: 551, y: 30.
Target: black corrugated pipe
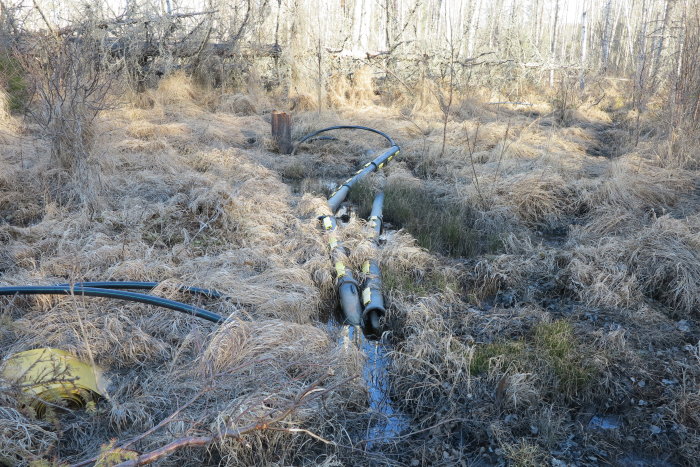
x: 348, y: 288
x: 368, y: 309
x: 137, y: 285
x: 372, y: 298
x: 376, y: 219
x: 117, y: 294
x: 349, y: 292
x: 341, y: 193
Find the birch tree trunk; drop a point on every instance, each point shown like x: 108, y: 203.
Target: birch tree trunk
x: 660, y: 41
x: 357, y: 23
x: 553, y: 43
x: 473, y: 28
x: 584, y: 49
x: 605, y: 43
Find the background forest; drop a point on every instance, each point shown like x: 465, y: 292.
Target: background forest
x: 540, y: 259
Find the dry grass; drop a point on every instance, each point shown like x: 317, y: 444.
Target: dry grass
x: 537, y: 198
x: 351, y: 92
x: 531, y: 286
x: 4, y: 107
x: 666, y: 260
x: 217, y: 218
x: 238, y: 104
x: 23, y: 440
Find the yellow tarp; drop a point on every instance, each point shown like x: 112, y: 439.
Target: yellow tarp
x: 53, y: 375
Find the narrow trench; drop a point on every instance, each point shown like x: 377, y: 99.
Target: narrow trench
x: 386, y: 422
x: 607, y: 141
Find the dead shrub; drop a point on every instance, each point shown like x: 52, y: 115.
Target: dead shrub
x: 362, y: 88
x: 237, y: 104
x: 70, y: 80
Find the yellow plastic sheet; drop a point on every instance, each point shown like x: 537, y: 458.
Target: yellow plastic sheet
x: 54, y: 376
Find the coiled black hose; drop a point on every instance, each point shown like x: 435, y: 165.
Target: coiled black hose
x: 343, y: 127
x: 117, y: 294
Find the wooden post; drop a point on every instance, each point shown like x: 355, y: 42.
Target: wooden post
x: 282, y: 131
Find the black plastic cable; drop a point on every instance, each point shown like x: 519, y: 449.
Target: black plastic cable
x: 117, y: 294
x: 323, y: 138
x: 137, y: 285
x: 343, y: 127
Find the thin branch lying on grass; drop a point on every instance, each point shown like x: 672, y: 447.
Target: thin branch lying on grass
x: 312, y: 392
x: 172, y: 417
x: 302, y: 430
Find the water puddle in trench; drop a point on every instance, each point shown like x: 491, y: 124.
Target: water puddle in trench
x: 386, y: 422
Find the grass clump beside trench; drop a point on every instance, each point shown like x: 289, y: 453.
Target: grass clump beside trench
x: 418, y: 282
x: 551, y: 347
x: 437, y: 223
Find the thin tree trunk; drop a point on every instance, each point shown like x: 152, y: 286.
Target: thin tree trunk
x: 473, y: 28
x: 630, y: 34
x: 553, y: 43
x: 366, y: 24
x: 616, y: 38
x: 641, y: 73
x: 605, y: 43
x: 387, y: 25
x: 584, y: 49
x: 660, y: 41
x: 536, y: 24
x: 357, y: 24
